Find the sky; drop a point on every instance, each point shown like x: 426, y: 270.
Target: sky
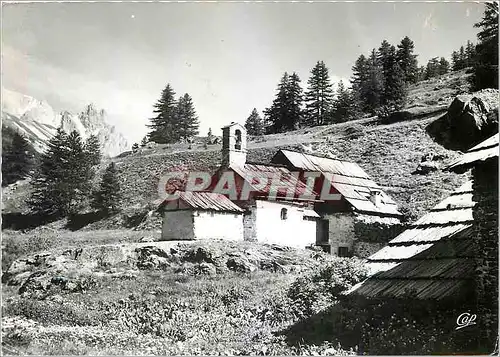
x: 228, y: 56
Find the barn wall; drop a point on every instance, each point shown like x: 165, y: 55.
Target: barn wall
x: 218, y: 225
x: 249, y: 225
x: 178, y: 225
x: 340, y: 231
x: 294, y: 231
x: 485, y: 214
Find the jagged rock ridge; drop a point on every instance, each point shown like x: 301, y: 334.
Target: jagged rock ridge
x: 38, y: 121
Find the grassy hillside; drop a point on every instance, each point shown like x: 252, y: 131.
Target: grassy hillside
x: 203, y: 298
x: 389, y: 153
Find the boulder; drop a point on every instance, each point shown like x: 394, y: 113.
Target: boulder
x: 151, y: 257
x: 426, y: 167
x: 202, y: 254
x: 473, y: 118
x: 240, y: 264
x: 204, y: 269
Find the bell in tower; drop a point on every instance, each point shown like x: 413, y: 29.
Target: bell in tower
x: 234, y: 145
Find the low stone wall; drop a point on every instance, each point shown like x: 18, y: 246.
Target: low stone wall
x: 374, y: 229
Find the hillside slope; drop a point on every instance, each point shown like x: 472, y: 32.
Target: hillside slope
x: 390, y: 153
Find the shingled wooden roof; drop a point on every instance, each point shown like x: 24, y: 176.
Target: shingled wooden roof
x: 486, y: 150
x: 348, y: 178
x: 430, y: 260
x: 203, y: 201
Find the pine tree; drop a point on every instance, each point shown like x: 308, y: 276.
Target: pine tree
x: 374, y: 88
x: 344, y: 105
x: 295, y: 100
x: 462, y: 58
x: 63, y: 179
x: 186, y: 117
x: 470, y: 54
x: 421, y: 73
x: 319, y: 95
x: 444, y: 66
x: 78, y: 173
x: 395, y: 92
x: 107, y: 197
x: 394, y: 84
x: 164, y: 126
x: 486, y: 59
x: 407, y: 60
x: 455, y: 61
x: 386, y: 57
x: 254, y: 124
x: 432, y: 68
x: 48, y: 196
x: 17, y: 156
x: 93, y: 150
x: 359, y: 82
x: 144, y: 141
x: 285, y: 112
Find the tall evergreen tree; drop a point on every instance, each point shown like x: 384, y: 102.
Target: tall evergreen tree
x: 319, y: 95
x: 285, y: 112
x: 359, y: 82
x: 374, y: 89
x: 407, y: 60
x: 295, y: 100
x: 486, y: 59
x: 386, y: 56
x: 254, y: 123
x: 17, y: 156
x: 187, y: 120
x: 63, y: 178
x: 444, y: 66
x: 394, y: 95
x: 421, y: 73
x: 462, y: 58
x: 78, y: 173
x: 107, y: 197
x: 432, y: 68
x: 93, y: 150
x: 276, y: 114
x: 344, y: 106
x: 470, y: 54
x: 164, y: 126
x: 393, y: 77
x: 455, y: 61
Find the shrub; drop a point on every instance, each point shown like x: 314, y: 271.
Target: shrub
x: 312, y: 293
x: 54, y: 313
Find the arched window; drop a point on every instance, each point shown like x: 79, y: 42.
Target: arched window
x: 237, y: 144
x: 284, y: 213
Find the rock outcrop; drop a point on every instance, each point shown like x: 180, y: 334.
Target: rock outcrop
x: 75, y: 269
x: 38, y: 121
x: 474, y: 117
x: 470, y: 119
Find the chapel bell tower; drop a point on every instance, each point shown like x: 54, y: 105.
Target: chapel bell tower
x: 234, y: 145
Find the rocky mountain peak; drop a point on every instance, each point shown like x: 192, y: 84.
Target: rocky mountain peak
x: 38, y: 122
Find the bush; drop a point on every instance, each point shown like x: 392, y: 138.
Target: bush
x: 54, y: 313
x: 312, y: 293
x: 315, y: 291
